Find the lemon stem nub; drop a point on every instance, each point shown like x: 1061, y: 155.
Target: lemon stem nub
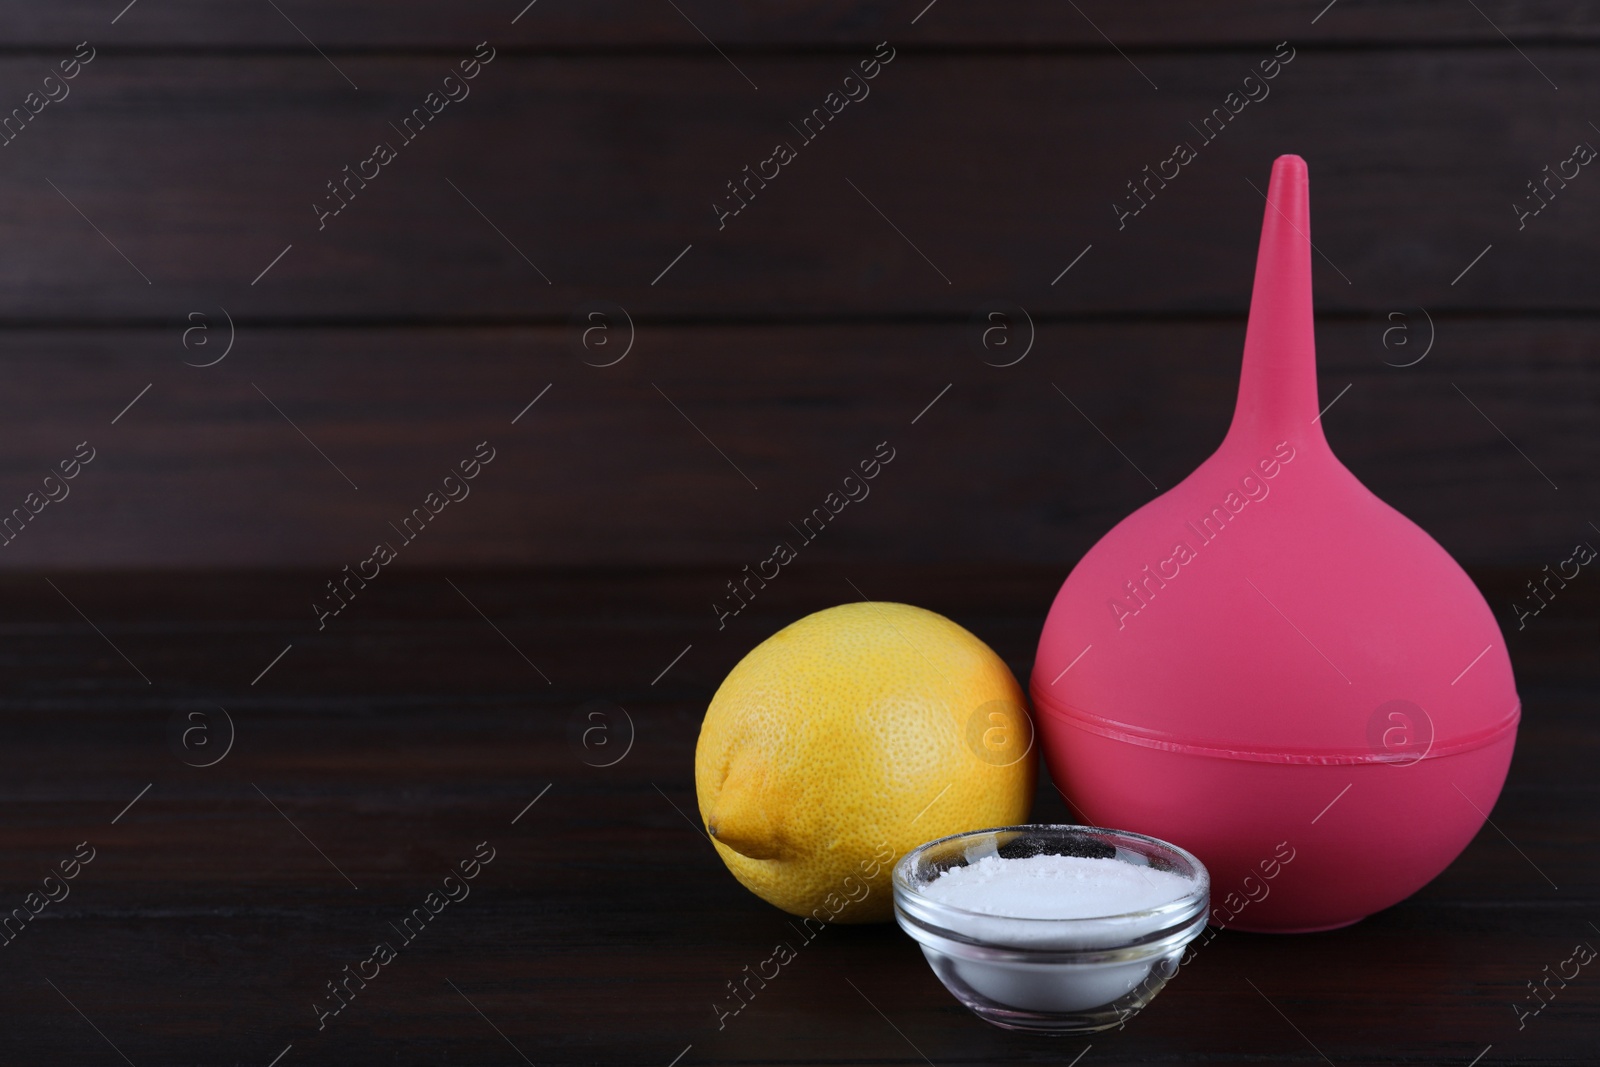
x: 743, y: 822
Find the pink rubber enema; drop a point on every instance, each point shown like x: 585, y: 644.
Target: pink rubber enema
x: 1272, y: 668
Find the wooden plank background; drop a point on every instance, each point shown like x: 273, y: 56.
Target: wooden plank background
x: 348, y: 24
x: 143, y: 213
x: 265, y: 395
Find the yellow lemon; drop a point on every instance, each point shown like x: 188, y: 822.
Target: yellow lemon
x: 848, y: 738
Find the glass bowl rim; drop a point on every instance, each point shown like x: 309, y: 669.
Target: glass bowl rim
x: 1198, y: 894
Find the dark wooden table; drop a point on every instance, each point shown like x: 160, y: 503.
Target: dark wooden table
x: 440, y: 712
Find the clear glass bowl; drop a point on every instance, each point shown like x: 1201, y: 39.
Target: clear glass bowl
x: 1055, y: 976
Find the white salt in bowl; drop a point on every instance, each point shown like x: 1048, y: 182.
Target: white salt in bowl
x: 1052, y: 929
